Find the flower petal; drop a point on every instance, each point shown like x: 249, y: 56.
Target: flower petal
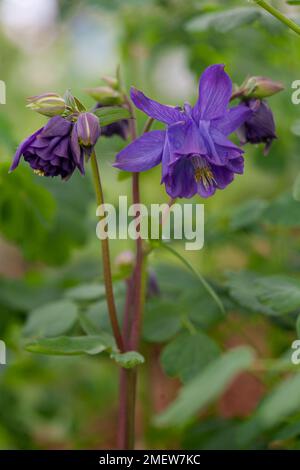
x: 22, y: 148
x: 233, y: 119
x: 215, y: 89
x: 185, y: 139
x: 160, y: 112
x: 224, y: 147
x: 142, y: 154
x: 77, y: 152
x: 180, y: 182
x: 57, y: 126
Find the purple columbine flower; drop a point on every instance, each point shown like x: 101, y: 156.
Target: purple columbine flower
x: 59, y: 147
x: 260, y: 126
x: 48, y: 151
x: 194, y: 150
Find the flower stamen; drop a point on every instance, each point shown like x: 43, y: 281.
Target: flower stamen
x: 39, y: 172
x: 202, y: 171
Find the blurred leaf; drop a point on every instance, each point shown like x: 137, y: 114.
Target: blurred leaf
x: 52, y: 319
x: 296, y: 189
x: 22, y: 295
x: 188, y: 354
x: 206, y: 387
x: 225, y: 20
x: 273, y: 295
x: 129, y: 359
x: 283, y: 211
x: 69, y: 346
x: 298, y: 326
x: 283, y: 400
x: 110, y: 114
x: 162, y: 320
x: 86, y: 292
x: 248, y: 214
x: 27, y: 210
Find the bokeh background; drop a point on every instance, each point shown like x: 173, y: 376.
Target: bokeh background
x: 49, y: 251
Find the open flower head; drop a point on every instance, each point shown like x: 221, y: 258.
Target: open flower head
x: 194, y: 149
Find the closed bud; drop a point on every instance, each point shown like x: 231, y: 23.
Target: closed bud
x: 111, y: 82
x: 261, y: 87
x: 105, y: 95
x: 48, y: 104
x: 87, y: 130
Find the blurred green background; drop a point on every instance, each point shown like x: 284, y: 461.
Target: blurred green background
x: 49, y: 251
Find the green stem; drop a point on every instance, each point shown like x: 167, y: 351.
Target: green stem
x: 277, y: 14
x: 106, y: 260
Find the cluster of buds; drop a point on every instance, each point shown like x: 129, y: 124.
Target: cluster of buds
x: 110, y: 94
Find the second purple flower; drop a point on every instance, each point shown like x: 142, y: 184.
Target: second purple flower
x: 196, y: 155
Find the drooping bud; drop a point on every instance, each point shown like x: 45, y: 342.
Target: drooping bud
x: 260, y: 126
x: 87, y: 129
x: 48, y: 104
x: 105, y: 95
x: 261, y: 87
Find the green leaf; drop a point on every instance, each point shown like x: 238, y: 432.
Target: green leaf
x: 296, y: 189
x: 70, y: 346
x: 162, y: 320
x: 188, y: 354
x: 283, y: 401
x: 272, y: 295
x: 248, y: 214
x: 284, y: 211
x: 204, y: 283
x: 225, y: 20
x: 52, y: 319
x: 298, y: 326
x: 129, y: 359
x: 86, y: 292
x: 206, y: 387
x: 109, y: 114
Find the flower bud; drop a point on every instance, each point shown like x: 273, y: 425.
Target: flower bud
x: 87, y: 129
x: 111, y: 82
x: 105, y: 95
x: 125, y: 259
x: 125, y: 263
x: 261, y: 87
x: 48, y: 104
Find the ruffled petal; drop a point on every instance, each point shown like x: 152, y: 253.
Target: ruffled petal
x: 232, y: 119
x: 160, y: 112
x: 57, y: 126
x: 142, y: 154
x: 22, y: 148
x: 215, y: 90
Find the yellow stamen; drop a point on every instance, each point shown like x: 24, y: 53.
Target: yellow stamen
x: 202, y: 171
x: 39, y: 172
